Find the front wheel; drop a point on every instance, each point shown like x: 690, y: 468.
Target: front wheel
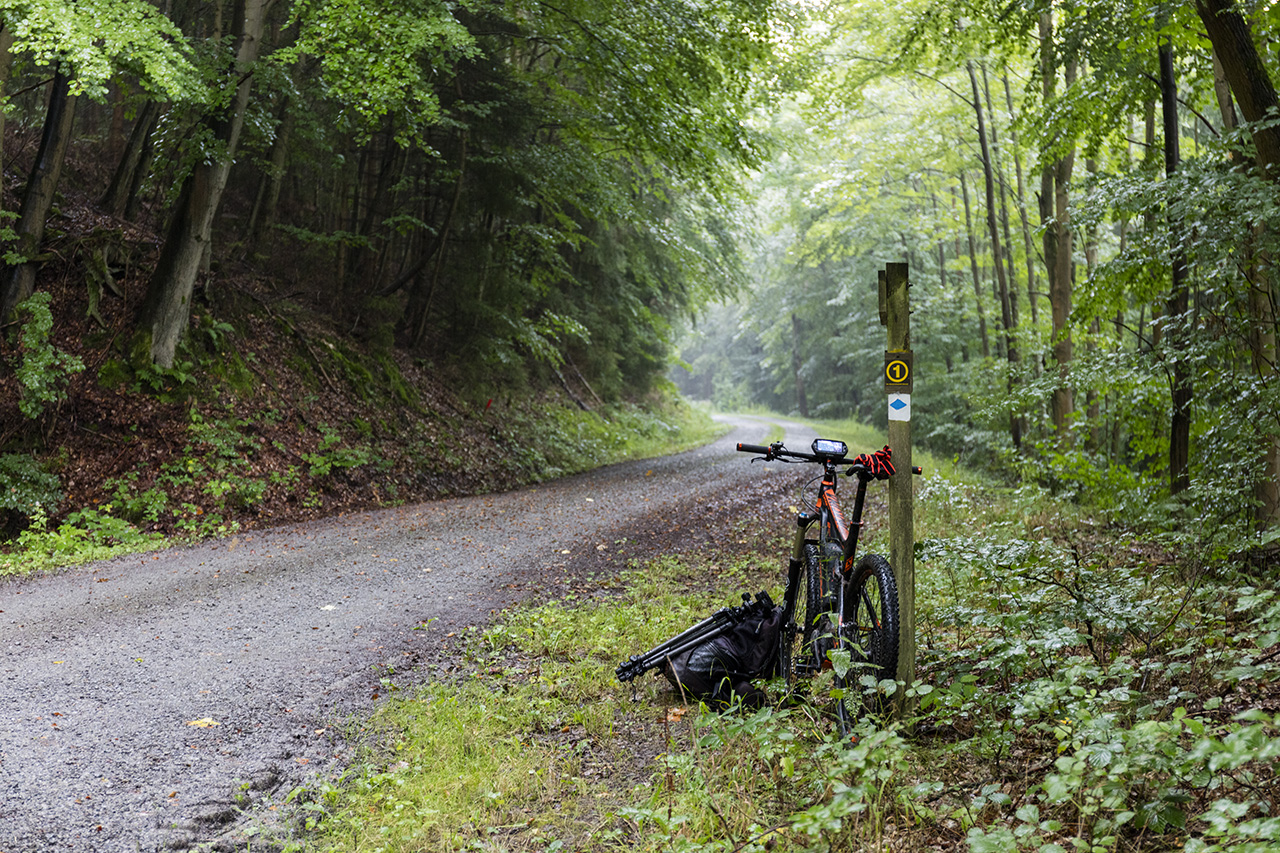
x: 823, y: 566
x: 804, y: 640
x: 869, y: 628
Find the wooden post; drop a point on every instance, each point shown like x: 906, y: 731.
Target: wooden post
x: 899, y: 373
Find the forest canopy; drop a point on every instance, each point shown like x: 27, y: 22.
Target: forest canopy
x: 485, y: 182
x: 1087, y: 207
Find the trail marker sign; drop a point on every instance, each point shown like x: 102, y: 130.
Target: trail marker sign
x: 898, y: 373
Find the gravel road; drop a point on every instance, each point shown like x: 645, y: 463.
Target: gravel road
x: 138, y: 696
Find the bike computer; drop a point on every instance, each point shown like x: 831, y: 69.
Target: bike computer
x: 829, y: 448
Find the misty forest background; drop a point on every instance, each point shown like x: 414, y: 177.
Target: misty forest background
x: 568, y: 196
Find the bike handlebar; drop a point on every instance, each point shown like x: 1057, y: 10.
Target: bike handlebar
x: 777, y: 451
x: 753, y: 448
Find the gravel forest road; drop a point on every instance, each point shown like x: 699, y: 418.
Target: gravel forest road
x: 138, y: 696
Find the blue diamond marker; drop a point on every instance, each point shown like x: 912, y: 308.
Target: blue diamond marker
x: 897, y: 405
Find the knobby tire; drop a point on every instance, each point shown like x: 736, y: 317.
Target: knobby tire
x: 799, y: 655
x: 822, y: 600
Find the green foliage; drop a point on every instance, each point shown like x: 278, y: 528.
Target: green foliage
x: 26, y: 488
x: 169, y: 384
x: 333, y: 453
x: 380, y: 59
x: 1117, y: 672
x: 42, y: 369
x: 98, y: 39
x: 84, y: 536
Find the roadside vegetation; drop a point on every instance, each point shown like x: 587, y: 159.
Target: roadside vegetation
x: 265, y: 420
x: 1082, y: 685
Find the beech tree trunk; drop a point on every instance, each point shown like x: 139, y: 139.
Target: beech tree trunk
x: 973, y: 267
x: 1060, y: 289
x: 6, y: 65
x: 1002, y: 179
x: 997, y: 259
x: 132, y: 160
x: 1055, y: 213
x: 268, y: 196
x: 1093, y: 408
x: 1180, y: 424
x: 1243, y: 68
x: 17, y: 281
x: 167, y: 308
x: 1028, y: 246
x: 418, y: 312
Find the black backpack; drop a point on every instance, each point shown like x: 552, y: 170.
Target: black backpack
x: 722, y: 668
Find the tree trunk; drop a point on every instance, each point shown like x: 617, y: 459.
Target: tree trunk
x: 1222, y: 93
x: 973, y: 266
x: 6, y: 65
x: 1244, y: 69
x: 1028, y: 245
x: 167, y: 307
x: 420, y: 313
x: 1060, y: 290
x: 268, y: 196
x: 802, y: 399
x: 17, y: 281
x: 1055, y: 216
x: 942, y: 250
x: 125, y: 177
x: 133, y: 200
x: 1093, y: 407
x: 997, y: 164
x: 1180, y: 424
x: 988, y: 171
x: 381, y: 168
x: 1263, y: 308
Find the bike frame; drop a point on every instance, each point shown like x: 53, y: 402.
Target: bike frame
x: 832, y: 527
x: 828, y: 515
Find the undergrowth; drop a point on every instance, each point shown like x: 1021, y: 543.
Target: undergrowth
x: 222, y: 454
x: 1078, y: 689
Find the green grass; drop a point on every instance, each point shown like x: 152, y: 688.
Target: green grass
x: 561, y: 440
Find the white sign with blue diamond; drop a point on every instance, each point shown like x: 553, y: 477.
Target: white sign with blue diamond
x: 899, y: 407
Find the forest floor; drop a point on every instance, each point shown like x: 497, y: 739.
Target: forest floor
x: 289, y: 385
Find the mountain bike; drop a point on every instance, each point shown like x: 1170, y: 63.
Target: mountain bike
x: 840, y: 610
